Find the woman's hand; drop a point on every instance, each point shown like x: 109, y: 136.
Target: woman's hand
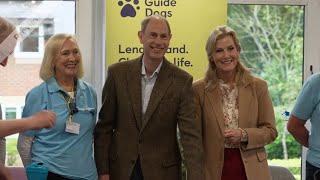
x: 233, y: 136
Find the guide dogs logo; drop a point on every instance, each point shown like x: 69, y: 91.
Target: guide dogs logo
x: 129, y: 7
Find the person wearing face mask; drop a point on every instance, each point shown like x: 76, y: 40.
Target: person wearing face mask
x: 67, y: 149
x: 43, y: 119
x: 236, y: 112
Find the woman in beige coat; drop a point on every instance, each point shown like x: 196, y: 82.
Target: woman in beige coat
x: 236, y: 113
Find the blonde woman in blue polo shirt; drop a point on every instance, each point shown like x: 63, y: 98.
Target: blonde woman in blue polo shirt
x: 66, y: 149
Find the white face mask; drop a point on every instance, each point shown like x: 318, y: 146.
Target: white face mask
x: 7, y: 46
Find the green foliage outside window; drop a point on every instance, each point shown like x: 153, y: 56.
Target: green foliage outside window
x: 271, y: 38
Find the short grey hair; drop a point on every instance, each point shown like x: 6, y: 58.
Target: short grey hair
x: 51, y: 52
x: 146, y: 20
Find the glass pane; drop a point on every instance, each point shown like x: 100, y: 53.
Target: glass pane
x: 271, y: 38
x: 31, y: 42
x: 36, y: 22
x: 11, y: 113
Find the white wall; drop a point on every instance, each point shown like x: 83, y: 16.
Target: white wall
x: 90, y: 30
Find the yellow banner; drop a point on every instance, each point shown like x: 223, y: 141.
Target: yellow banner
x: 191, y: 23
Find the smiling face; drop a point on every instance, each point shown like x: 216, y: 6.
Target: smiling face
x: 67, y: 61
x: 155, y: 39
x: 225, y: 55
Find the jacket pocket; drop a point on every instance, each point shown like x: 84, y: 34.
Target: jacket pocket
x: 261, y: 155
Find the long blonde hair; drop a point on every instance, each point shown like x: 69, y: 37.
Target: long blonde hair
x: 217, y: 34
x: 51, y: 52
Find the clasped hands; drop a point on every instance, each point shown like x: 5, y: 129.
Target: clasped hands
x: 232, y: 136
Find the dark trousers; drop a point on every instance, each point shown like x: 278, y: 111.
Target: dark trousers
x: 53, y: 176
x: 137, y: 171
x: 312, y: 172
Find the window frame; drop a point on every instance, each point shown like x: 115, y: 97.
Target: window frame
x: 311, y: 52
x: 19, y: 54
x: 10, y: 110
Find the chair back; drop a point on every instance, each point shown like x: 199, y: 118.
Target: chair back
x: 280, y: 173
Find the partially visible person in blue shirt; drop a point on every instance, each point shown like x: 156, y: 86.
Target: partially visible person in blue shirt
x: 66, y: 149
x: 308, y: 107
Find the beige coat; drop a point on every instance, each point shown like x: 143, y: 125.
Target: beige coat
x: 123, y: 133
x: 256, y: 117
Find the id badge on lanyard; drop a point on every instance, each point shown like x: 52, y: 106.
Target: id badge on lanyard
x: 71, y: 127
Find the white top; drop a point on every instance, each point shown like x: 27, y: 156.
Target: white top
x: 147, y: 84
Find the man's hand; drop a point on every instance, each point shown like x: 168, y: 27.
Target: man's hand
x: 104, y: 177
x: 42, y: 119
x: 233, y: 136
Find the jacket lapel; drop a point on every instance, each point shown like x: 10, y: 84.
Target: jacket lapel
x: 161, y: 85
x: 245, y: 99
x: 214, y: 108
x: 134, y: 86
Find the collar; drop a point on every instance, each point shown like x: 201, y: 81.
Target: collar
x: 243, y: 79
x: 53, y: 85
x: 143, y: 69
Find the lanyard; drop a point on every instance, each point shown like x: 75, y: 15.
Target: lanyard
x: 71, y: 102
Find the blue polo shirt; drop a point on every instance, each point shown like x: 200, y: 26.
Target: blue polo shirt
x: 308, y: 107
x: 66, y: 154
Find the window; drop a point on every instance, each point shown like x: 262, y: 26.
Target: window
x: 272, y: 39
x: 303, y: 44
x: 31, y: 42
x: 36, y: 22
x: 34, y: 32
x: 11, y: 113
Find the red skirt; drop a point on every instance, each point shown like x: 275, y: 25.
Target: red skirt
x: 233, y: 167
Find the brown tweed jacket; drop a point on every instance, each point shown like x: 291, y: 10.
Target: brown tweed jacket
x: 122, y: 133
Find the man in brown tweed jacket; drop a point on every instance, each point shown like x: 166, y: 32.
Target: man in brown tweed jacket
x: 144, y: 100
